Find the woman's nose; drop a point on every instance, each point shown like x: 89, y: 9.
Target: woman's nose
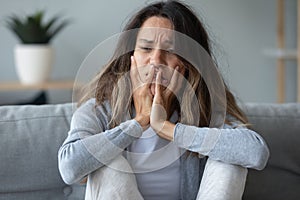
x: 157, y: 57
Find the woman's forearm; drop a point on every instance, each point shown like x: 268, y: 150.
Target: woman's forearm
x: 90, y: 143
x: 239, y: 146
x: 165, y: 130
x: 83, y: 152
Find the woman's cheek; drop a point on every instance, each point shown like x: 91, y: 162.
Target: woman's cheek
x: 142, y: 69
x: 144, y: 72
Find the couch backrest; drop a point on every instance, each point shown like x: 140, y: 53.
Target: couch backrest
x: 279, y: 124
x: 30, y: 137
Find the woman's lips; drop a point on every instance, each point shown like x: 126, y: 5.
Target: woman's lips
x: 164, y: 81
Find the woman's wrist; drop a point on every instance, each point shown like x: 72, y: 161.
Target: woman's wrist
x: 143, y: 121
x: 164, y: 129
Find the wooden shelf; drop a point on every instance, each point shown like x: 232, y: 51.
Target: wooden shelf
x: 285, y: 54
x: 57, y: 85
x: 282, y: 53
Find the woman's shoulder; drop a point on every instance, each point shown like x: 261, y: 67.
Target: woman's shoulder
x: 233, y: 122
x: 92, y: 104
x: 92, y: 111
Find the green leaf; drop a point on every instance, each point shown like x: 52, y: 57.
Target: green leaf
x: 57, y: 29
x: 32, y: 29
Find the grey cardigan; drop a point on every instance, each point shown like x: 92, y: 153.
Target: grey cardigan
x: 90, y: 144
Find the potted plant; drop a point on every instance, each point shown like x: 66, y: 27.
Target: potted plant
x: 34, y: 57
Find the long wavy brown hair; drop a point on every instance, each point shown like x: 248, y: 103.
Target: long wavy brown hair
x: 113, y: 83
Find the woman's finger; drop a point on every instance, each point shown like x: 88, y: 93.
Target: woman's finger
x: 158, y: 83
x: 158, y: 88
x: 158, y: 113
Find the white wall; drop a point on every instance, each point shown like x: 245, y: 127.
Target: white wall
x: 241, y: 30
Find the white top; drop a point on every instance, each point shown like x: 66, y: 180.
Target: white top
x: 156, y: 164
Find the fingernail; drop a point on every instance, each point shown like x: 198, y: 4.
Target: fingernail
x: 177, y: 68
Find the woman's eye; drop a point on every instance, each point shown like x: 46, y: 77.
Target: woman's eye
x: 146, y: 48
x: 170, y: 51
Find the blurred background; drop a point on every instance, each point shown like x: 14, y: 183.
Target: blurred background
x: 241, y: 30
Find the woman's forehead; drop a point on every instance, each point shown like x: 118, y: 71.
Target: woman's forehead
x: 155, y: 35
x: 159, y: 22
x: 156, y: 29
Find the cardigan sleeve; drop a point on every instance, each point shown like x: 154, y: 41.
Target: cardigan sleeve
x: 90, y: 145
x: 239, y: 146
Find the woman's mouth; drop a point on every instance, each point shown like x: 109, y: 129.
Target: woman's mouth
x: 164, y: 80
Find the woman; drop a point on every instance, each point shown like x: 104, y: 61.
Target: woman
x: 153, y: 113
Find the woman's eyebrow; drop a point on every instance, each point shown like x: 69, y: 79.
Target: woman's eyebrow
x: 146, y: 41
x: 168, y: 42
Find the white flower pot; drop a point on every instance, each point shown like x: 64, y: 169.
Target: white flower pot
x: 33, y: 62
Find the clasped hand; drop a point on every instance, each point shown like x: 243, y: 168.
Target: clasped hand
x: 153, y: 110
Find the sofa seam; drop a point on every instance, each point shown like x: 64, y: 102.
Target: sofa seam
x: 42, y: 189
x: 34, y: 118
x: 266, y: 116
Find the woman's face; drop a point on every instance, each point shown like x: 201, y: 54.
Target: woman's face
x: 154, y: 47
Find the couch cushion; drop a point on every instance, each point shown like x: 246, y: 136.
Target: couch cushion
x: 279, y: 124
x: 30, y: 139
x: 32, y: 135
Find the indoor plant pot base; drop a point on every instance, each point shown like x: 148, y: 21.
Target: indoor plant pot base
x: 33, y: 63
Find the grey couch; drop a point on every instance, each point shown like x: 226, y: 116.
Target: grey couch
x: 31, y: 135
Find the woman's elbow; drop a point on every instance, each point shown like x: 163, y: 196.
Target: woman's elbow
x: 67, y: 169
x: 260, y: 157
x: 68, y: 176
